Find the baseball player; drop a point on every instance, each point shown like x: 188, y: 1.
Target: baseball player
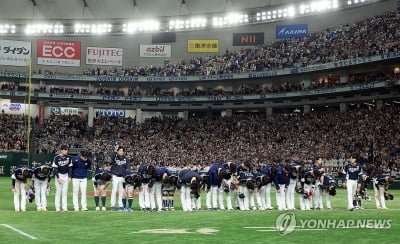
x: 261, y: 180
x: 19, y: 180
x: 101, y: 179
x: 120, y: 166
x: 196, y: 202
x: 40, y: 180
x: 318, y: 203
x: 80, y: 166
x: 168, y: 192
x: 243, y: 167
x: 381, y: 185
x: 215, y: 175
x: 246, y: 184
x: 162, y: 176
x: 133, y: 182
x: 62, y: 164
x: 269, y: 173
x: 362, y: 190
x: 281, y: 182
x: 225, y: 189
x: 146, y: 193
x: 295, y: 172
x: 352, y: 170
x: 308, y: 185
x: 328, y: 188
x: 188, y: 184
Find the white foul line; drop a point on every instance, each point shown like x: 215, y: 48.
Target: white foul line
x: 21, y: 232
x: 295, y: 229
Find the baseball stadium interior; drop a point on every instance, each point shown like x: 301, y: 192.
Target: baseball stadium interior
x: 186, y: 85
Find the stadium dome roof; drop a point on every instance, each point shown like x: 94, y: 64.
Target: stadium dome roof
x: 122, y: 9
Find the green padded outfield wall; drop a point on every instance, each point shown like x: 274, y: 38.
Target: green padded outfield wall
x: 9, y: 160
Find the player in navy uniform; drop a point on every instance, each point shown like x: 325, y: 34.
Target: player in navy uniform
x: 328, y: 188
x: 215, y: 175
x: 352, y: 170
x: 294, y: 176
x: 101, y: 179
x: 168, y: 191
x: 40, y: 180
x: 281, y: 182
x: 120, y: 167
x: 269, y: 173
x: 62, y: 164
x: 381, y: 185
x: 146, y: 193
x: 308, y: 185
x: 19, y: 181
x: 318, y: 203
x: 246, y: 185
x: 225, y: 189
x: 162, y: 176
x: 261, y: 180
x: 133, y: 182
x: 80, y: 166
x: 188, y: 184
x: 243, y: 167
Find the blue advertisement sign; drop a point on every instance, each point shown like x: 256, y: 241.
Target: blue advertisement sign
x: 291, y: 31
x: 120, y: 113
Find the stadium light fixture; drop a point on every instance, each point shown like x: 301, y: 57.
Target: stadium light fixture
x: 193, y: 23
x: 230, y: 20
x: 44, y: 28
x: 144, y: 26
x: 7, y: 29
x: 92, y: 28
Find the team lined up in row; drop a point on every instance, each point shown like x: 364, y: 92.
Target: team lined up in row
x: 156, y: 186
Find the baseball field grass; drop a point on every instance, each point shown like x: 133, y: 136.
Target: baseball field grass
x: 317, y: 226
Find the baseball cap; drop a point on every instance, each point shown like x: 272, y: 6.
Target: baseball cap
x: 117, y: 142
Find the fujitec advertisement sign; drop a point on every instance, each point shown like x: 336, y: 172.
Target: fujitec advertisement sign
x: 104, y: 56
x: 58, y: 52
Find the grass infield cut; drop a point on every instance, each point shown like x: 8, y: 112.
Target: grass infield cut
x: 334, y: 226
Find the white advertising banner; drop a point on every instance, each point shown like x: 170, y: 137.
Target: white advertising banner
x: 16, y: 53
x: 104, y: 56
x: 155, y: 51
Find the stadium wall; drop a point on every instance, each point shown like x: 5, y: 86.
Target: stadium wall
x: 131, y: 43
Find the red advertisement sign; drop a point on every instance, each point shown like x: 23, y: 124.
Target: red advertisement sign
x: 59, y: 52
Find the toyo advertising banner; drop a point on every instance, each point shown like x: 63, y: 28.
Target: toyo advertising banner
x: 58, y: 52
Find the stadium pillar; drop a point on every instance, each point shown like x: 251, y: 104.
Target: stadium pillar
x: 269, y: 111
x: 138, y: 116
x: 343, y: 107
x: 90, y: 114
x: 343, y: 78
x: 185, y: 115
x: 306, y: 109
x: 379, y: 104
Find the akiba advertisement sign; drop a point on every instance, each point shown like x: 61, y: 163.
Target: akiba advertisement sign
x: 291, y: 31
